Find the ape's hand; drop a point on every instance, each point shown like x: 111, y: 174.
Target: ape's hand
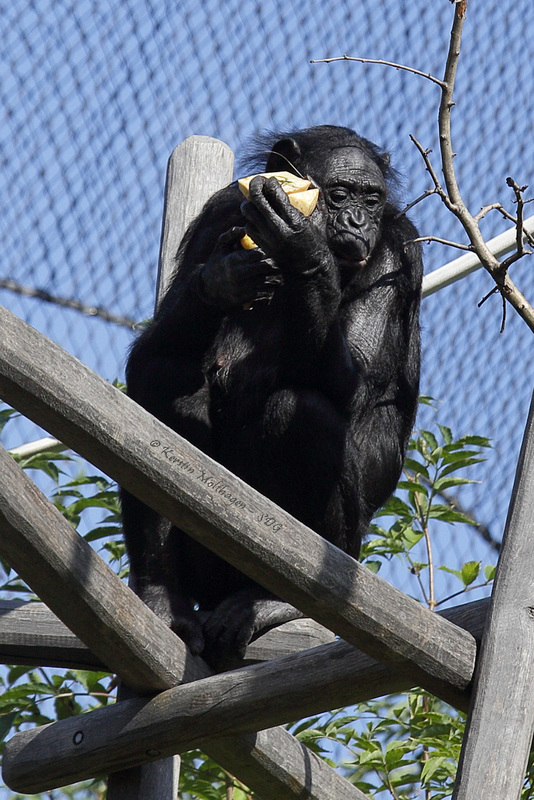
x: 296, y: 243
x: 233, y: 277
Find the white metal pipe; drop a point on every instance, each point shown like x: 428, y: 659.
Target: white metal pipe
x: 460, y: 267
x: 45, y: 445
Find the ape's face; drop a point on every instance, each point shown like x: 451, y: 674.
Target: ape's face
x: 355, y: 195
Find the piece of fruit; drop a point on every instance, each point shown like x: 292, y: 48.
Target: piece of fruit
x: 297, y: 189
x: 290, y: 183
x: 248, y: 243
x: 305, y: 201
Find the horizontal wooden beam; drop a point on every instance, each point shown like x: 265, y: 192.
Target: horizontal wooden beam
x: 77, y: 406
x: 180, y: 719
x: 31, y: 634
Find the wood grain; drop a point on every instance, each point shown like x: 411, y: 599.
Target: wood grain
x: 197, y: 168
x: 182, y: 718
x: 500, y: 724
x: 62, y: 395
x: 330, y: 676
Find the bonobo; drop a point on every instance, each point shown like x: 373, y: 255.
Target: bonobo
x: 295, y: 365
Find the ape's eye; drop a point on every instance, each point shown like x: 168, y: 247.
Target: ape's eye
x: 372, y: 200
x: 338, y: 196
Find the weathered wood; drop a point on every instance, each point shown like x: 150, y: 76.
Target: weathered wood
x: 182, y: 718
x: 500, y: 724
x: 197, y: 168
x: 329, y: 676
x: 55, y: 390
x: 31, y: 634
x: 83, y: 591
x: 55, y: 561
x: 155, y: 781
x: 27, y: 628
x: 291, y: 769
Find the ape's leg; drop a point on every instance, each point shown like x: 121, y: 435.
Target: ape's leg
x: 296, y: 454
x: 155, y: 549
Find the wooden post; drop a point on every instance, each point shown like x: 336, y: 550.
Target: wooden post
x: 197, y: 168
x: 500, y: 725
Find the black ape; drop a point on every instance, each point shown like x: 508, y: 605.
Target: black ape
x: 309, y: 395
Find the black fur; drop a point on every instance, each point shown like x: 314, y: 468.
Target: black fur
x: 309, y: 396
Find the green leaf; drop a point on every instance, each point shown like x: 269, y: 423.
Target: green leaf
x: 452, y: 572
x: 431, y: 766
x: 447, y: 514
x: 6, y: 722
x: 430, y: 439
x: 373, y: 565
x: 413, y: 486
x: 416, y: 467
x: 445, y: 483
x: 446, y: 433
x: 470, y: 572
x: 489, y: 572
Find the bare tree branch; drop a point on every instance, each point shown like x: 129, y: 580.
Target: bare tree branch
x: 440, y: 241
x: 426, y: 75
x: 497, y: 270
x: 450, y: 192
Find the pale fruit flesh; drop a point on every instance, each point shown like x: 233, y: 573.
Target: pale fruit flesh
x: 297, y: 189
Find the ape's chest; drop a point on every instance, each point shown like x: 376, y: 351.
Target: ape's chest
x: 245, y: 354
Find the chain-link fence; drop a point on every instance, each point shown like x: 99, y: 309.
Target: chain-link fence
x: 96, y: 95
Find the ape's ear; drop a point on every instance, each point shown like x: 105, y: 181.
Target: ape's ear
x: 385, y: 160
x: 284, y: 155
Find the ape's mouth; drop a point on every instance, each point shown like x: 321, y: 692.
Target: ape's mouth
x: 349, y: 249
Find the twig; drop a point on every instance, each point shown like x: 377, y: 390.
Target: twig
x: 407, y: 208
x: 426, y: 75
x: 519, y: 230
x: 438, y: 188
x: 492, y: 207
x: 437, y: 239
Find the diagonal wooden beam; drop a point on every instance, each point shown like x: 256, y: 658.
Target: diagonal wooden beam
x: 91, y: 599
x: 62, y: 395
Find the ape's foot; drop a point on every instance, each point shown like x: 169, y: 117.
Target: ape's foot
x: 235, y: 622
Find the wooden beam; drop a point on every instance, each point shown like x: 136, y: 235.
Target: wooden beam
x: 183, y: 718
x: 329, y: 676
x: 84, y: 592
x: 500, y: 725
x: 62, y: 395
x: 196, y: 169
x: 91, y: 599
x: 31, y: 634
